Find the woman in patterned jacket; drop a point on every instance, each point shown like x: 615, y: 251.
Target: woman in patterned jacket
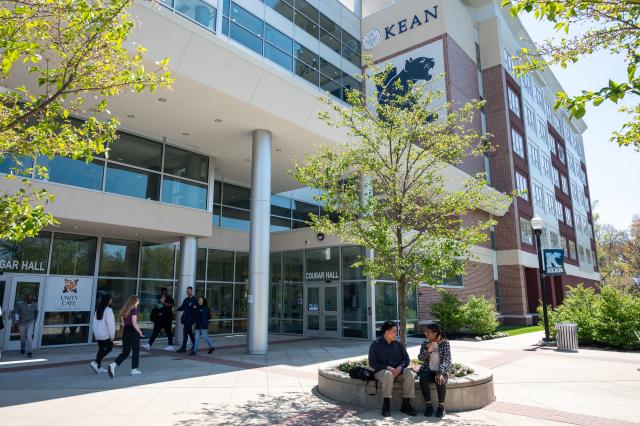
x: 435, y: 353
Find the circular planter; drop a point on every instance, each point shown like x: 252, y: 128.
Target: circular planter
x: 471, y: 392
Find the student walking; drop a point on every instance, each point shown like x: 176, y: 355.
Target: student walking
x: 130, y: 337
x: 202, y: 326
x: 25, y: 314
x: 188, y: 309
x: 104, y: 330
x: 162, y: 317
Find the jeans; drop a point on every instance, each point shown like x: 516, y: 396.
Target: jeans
x: 157, y: 326
x: 187, y: 331
x: 202, y: 333
x: 426, y: 377
x: 130, y: 343
x: 104, y: 347
x: 26, y: 335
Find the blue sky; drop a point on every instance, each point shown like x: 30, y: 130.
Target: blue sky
x: 613, y: 172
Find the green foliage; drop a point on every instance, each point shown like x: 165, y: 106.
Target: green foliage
x: 491, y: 336
x: 457, y: 369
x: 608, y: 318
x: 61, y: 58
x: 460, y: 370
x: 613, y: 27
x: 449, y: 313
x: 480, y: 315
x: 514, y: 330
x: 348, y: 365
x: 386, y: 188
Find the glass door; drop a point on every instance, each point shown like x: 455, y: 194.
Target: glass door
x: 322, y: 310
x: 22, y: 290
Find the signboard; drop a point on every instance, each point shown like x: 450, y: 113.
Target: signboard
x: 553, y: 262
x: 324, y: 275
x: 313, y: 306
x: 23, y: 265
x: 68, y: 294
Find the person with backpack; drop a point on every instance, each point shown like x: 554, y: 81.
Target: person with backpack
x: 435, y: 353
x: 202, y: 326
x: 162, y: 318
x: 130, y: 337
x: 104, y: 331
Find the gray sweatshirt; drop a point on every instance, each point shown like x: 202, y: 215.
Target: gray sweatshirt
x: 27, y: 313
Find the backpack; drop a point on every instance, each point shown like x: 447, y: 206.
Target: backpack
x: 366, y: 374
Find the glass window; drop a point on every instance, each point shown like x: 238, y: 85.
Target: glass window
x: 246, y: 19
x: 119, y: 290
x: 158, y: 260
x: 217, y: 192
x: 33, y: 251
x: 235, y: 219
x: 309, y: 11
x: 240, y: 301
x: 526, y: 232
x: 323, y: 264
x: 215, y: 217
x: 355, y: 329
x: 331, y: 71
x: 73, y: 172
x: 330, y: 86
x: 351, y: 56
x: 306, y: 24
x: 198, y: 11
x: 572, y: 250
x: 350, y: 254
x: 412, y: 305
x: 514, y: 102
x: 302, y: 210
x: 306, y: 72
x: 521, y: 183
x: 350, y: 41
x: 73, y: 254
x: 136, y: 151
x: 565, y: 184
x: 184, y: 193
x: 305, y: 55
x: 246, y: 38
x: 280, y: 224
x: 275, y: 305
x: 220, y: 300
x: 132, y: 182
x: 293, y: 266
x: 282, y: 7
x: 329, y: 26
x: 278, y: 56
x: 518, y: 143
x: 236, y: 196
x: 220, y: 265
x: 11, y: 165
x: 280, y: 206
x: 386, y: 301
x: 149, y: 294
x: 64, y: 335
x: 275, y: 267
x: 201, y: 264
x: 354, y: 301
x: 278, y: 39
x: 330, y: 41
x: 567, y: 216
x: 292, y: 302
x: 242, y: 267
x: 119, y: 258
x: 182, y: 163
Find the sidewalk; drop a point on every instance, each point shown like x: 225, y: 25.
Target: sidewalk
x: 533, y: 386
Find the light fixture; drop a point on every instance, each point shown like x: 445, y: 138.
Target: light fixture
x: 247, y: 160
x: 537, y: 223
x: 162, y: 99
x: 218, y: 120
x: 75, y: 227
x: 320, y: 236
x: 185, y: 133
x: 131, y: 116
x: 278, y: 149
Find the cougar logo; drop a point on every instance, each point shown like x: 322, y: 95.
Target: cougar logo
x: 414, y: 70
x: 70, y: 286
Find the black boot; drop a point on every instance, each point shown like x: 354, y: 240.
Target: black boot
x: 407, y: 408
x: 440, y: 411
x: 386, y: 407
x: 428, y: 412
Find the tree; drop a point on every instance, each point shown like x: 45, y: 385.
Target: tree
x: 614, y: 27
x: 386, y: 190
x: 69, y: 57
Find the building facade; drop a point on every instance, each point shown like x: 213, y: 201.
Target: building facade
x: 196, y: 191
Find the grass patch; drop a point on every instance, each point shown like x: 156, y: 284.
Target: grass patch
x: 514, y: 330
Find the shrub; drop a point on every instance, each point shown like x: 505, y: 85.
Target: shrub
x: 480, y: 315
x: 579, y: 306
x: 448, y: 312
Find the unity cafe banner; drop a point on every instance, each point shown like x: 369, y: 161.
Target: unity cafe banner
x: 68, y: 294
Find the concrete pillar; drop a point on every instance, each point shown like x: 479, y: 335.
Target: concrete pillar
x: 357, y: 8
x: 187, y: 277
x: 365, y: 191
x: 259, y: 235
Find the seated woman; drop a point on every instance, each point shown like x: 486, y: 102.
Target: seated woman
x: 435, y: 353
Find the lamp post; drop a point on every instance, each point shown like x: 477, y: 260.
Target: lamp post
x: 537, y: 224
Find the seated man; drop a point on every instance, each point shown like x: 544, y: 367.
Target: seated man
x: 390, y: 360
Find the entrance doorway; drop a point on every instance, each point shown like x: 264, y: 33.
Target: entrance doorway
x: 15, y: 289
x: 321, y: 310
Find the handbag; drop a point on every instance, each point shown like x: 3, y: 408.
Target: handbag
x: 366, y: 374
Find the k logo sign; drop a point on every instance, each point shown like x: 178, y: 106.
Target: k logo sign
x: 553, y: 262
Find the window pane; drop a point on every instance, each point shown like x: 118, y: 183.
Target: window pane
x: 281, y: 7
x: 386, y: 302
x: 292, y: 265
x: 323, y: 264
x: 240, y: 301
x: 73, y: 254
x: 158, y: 260
x: 330, y: 41
x: 220, y: 300
x: 234, y: 219
x: 349, y: 256
x: 246, y: 38
x: 305, y: 55
x: 236, y: 196
x: 220, y: 265
x: 412, y: 305
x: 132, y: 182
x: 149, y: 294
x: 201, y: 264
x: 296, y: 224
x: 275, y: 267
x: 292, y: 301
x: 33, y: 251
x: 331, y: 71
x: 73, y: 172
x: 182, y: 163
x: 9, y: 164
x: 309, y: 11
x: 119, y: 258
x: 354, y: 301
x: 242, y: 267
x: 119, y: 290
x: 246, y: 19
x: 199, y: 11
x: 306, y: 24
x: 306, y: 72
x: 350, y: 41
x: 216, y: 215
x: 184, y: 193
x: 278, y: 56
x: 280, y: 206
x: 302, y: 210
x: 355, y: 330
x: 280, y: 224
x: 278, y: 39
x: 64, y: 335
x: 329, y: 26
x: 330, y: 86
x: 350, y: 82
x: 136, y: 151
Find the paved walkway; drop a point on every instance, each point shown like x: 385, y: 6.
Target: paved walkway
x: 534, y: 386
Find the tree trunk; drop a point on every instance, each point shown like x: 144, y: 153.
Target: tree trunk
x: 402, y: 308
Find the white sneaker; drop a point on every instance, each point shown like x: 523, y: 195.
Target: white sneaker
x: 112, y: 370
x: 103, y: 370
x: 95, y: 367
x: 145, y: 346
x: 170, y: 348
x: 135, y: 372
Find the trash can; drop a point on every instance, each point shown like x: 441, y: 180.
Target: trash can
x: 567, y: 336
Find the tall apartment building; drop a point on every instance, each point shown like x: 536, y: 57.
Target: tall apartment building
x: 196, y: 190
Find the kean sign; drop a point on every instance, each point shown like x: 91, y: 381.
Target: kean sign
x: 553, y: 262
x: 68, y: 294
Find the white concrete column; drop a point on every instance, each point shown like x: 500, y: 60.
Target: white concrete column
x: 259, y: 236
x: 187, y: 277
x: 365, y: 191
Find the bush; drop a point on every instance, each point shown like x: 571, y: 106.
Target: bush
x: 457, y: 369
x: 480, y: 315
x: 448, y: 312
x: 580, y: 306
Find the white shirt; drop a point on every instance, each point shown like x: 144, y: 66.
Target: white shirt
x: 106, y: 327
x: 434, y: 359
